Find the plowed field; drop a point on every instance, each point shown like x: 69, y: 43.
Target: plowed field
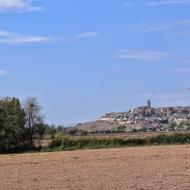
x: 139, y: 168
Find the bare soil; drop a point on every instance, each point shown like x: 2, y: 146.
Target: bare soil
x: 139, y: 168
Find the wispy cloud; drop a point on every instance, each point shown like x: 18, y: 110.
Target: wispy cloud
x: 3, y: 72
x: 9, y: 38
x: 168, y: 2
x: 18, y: 6
x: 23, y: 40
x: 3, y: 33
x: 155, y: 27
x: 131, y: 54
x: 86, y: 35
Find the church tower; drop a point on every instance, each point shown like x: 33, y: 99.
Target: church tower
x: 148, y: 104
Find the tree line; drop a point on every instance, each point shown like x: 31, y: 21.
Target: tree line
x: 21, y: 124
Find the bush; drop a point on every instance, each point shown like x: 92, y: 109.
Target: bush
x: 73, y: 132
x: 55, y: 143
x: 69, y: 142
x: 176, y: 138
x: 83, y: 133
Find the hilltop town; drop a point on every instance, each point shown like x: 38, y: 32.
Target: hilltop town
x: 144, y: 118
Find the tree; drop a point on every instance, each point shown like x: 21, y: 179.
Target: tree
x: 50, y: 130
x: 60, y: 128
x: 33, y: 117
x: 83, y: 132
x: 12, y: 122
x: 73, y: 131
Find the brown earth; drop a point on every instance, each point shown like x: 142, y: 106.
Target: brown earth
x: 144, y: 168
x: 97, y: 125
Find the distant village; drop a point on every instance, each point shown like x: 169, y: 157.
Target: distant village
x: 151, y: 119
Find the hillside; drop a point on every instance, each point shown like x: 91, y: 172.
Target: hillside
x: 98, y: 125
x: 144, y: 118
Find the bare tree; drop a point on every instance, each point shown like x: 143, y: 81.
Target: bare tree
x: 33, y: 117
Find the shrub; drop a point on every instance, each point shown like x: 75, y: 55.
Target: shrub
x: 83, y: 133
x: 73, y: 132
x: 176, y: 138
x: 67, y: 142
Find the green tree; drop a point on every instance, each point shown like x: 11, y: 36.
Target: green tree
x: 60, y: 128
x: 12, y: 122
x: 73, y: 131
x: 50, y: 130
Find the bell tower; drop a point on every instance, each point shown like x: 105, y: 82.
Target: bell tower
x: 148, y: 104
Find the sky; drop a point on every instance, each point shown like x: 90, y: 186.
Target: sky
x: 83, y: 58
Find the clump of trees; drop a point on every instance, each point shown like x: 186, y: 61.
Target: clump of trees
x: 76, y: 132
x: 21, y: 124
x: 12, y: 125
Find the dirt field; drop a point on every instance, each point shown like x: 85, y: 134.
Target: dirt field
x: 144, y: 168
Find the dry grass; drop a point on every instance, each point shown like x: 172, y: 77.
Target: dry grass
x: 163, y: 167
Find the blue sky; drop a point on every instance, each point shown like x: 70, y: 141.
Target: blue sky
x: 84, y: 58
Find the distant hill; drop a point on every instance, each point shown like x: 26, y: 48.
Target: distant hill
x: 98, y: 125
x: 144, y: 118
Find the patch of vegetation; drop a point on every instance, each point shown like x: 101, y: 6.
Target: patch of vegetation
x: 22, y: 126
x: 77, y: 132
x: 73, y: 143
x: 176, y: 138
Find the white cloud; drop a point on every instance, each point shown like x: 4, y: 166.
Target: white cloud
x: 145, y: 55
x: 87, y: 35
x: 3, y: 72
x: 152, y: 27
x: 168, y: 2
x: 155, y: 28
x: 9, y: 38
x: 3, y: 33
x: 22, y: 40
x: 18, y: 6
